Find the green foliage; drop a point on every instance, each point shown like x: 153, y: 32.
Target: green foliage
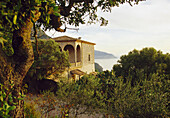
x: 78, y: 95
x: 146, y: 61
x: 7, y: 103
x: 48, y: 60
x: 45, y: 18
x: 147, y: 99
x: 14, y: 15
x: 108, y: 94
x: 15, y: 12
x: 6, y: 41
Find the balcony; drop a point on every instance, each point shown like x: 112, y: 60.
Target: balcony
x: 77, y: 64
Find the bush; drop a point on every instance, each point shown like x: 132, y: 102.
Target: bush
x: 108, y: 94
x: 147, y: 60
x: 49, y: 60
x: 147, y: 99
x: 80, y: 97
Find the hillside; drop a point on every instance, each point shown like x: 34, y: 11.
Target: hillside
x: 103, y: 55
x: 40, y: 34
x: 98, y: 67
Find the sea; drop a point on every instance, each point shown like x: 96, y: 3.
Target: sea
x: 107, y: 64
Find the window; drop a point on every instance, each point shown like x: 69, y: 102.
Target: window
x: 78, y: 54
x: 89, y: 57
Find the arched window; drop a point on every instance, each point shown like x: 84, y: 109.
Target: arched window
x: 78, y: 54
x: 70, y: 48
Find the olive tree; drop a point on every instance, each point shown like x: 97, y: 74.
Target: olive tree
x: 17, y: 17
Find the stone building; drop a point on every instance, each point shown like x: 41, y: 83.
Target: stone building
x: 81, y: 55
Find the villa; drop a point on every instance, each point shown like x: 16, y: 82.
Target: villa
x: 81, y: 55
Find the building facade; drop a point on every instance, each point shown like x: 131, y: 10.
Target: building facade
x: 81, y: 54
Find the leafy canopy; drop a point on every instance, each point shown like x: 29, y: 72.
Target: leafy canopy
x: 54, y: 13
x: 14, y: 13
x: 147, y: 61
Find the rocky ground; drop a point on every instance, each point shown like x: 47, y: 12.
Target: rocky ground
x: 47, y: 106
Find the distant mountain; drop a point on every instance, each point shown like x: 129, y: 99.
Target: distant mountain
x: 40, y: 34
x: 103, y: 55
x: 98, y: 67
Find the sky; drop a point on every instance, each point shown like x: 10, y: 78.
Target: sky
x: 144, y: 25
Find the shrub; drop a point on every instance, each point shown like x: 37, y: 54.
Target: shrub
x: 7, y: 103
x: 147, y: 99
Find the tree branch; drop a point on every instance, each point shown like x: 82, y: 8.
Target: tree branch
x: 65, y: 10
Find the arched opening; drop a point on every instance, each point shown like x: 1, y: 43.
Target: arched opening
x: 60, y: 49
x: 70, y: 48
x: 78, y: 54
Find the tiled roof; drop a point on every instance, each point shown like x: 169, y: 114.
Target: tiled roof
x: 64, y: 38
x: 68, y: 39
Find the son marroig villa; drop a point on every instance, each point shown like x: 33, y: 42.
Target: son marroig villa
x: 81, y: 56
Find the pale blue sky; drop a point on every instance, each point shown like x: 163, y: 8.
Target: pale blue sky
x: 143, y: 25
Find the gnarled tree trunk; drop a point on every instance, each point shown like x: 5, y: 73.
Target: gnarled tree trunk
x: 14, y: 68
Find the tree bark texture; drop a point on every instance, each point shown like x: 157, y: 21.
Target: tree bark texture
x: 14, y: 68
